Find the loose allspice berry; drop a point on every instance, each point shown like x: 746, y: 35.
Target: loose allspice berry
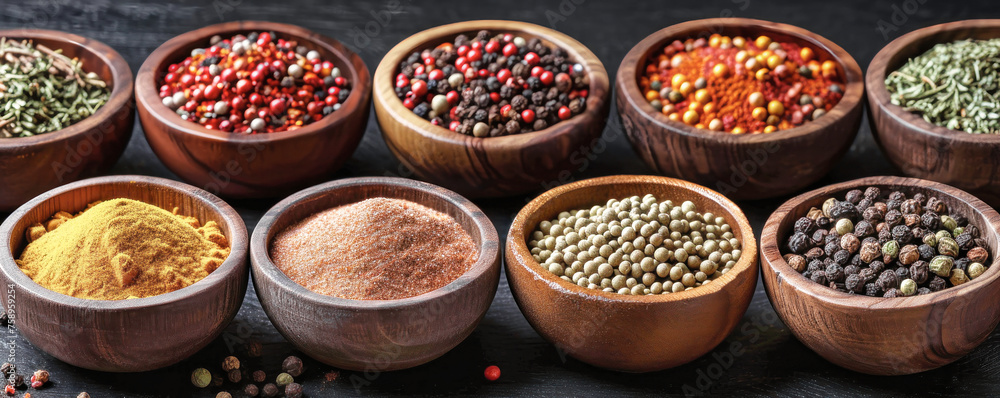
x: 270, y: 390
x: 293, y: 390
x: 293, y: 366
x: 230, y: 363
x: 83, y: 395
x: 259, y: 376
x: 251, y: 390
x: 636, y: 246
x: 201, y: 377
x: 235, y: 375
x: 223, y: 394
x: 284, y: 379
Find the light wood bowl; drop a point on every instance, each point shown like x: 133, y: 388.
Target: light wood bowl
x: 623, y: 332
x: 492, y: 166
x: 921, y: 149
x: 375, y: 334
x: 256, y: 165
x: 875, y: 335
x: 747, y: 166
x: 32, y: 165
x: 125, y: 335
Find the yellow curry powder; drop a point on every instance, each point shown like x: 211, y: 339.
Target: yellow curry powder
x: 120, y: 249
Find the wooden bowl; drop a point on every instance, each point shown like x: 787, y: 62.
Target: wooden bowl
x: 883, y: 336
x: 125, y: 335
x: 32, y: 165
x: 919, y: 148
x: 256, y: 165
x: 375, y: 334
x: 624, y: 332
x: 747, y: 166
x: 492, y: 166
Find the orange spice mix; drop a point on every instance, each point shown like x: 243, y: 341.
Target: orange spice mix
x: 738, y: 85
x: 376, y: 249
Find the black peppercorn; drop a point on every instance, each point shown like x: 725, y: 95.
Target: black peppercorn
x: 841, y: 257
x: 919, y: 272
x: 270, y: 390
x: 816, y: 265
x: 877, y: 266
x: 843, y: 210
x: 293, y: 366
x: 854, y: 196
x: 887, y: 280
x: 965, y: 241
x: 819, y: 236
x: 864, y: 229
x: 804, y: 225
x: 902, y: 273
x: 937, y: 283
x: 819, y: 277
x: 872, y: 290
x: 936, y: 205
x: 835, y: 273
x: 927, y: 252
x: 799, y: 243
x: 901, y: 234
x: 910, y: 206
x: 872, y: 193
x: 824, y: 222
x: 235, y: 375
x: 854, y: 283
x: 293, y: 390
x: 930, y: 221
x: 893, y: 218
x: 893, y: 293
x: 832, y: 247
x: 867, y: 275
x: 250, y: 390
x: 813, y: 254
x: 851, y: 269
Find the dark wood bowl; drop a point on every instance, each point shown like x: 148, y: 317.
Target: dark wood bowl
x: 918, y: 147
x: 747, y: 166
x: 375, y: 334
x: 875, y: 335
x: 492, y: 166
x: 256, y: 165
x: 32, y: 165
x: 623, y: 332
x: 125, y: 335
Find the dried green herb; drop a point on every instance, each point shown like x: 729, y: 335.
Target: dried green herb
x: 43, y: 90
x: 954, y: 85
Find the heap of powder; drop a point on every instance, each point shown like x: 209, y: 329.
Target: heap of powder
x: 376, y: 249
x: 120, y: 249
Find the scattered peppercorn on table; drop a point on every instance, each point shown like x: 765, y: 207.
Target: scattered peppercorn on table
x: 875, y: 243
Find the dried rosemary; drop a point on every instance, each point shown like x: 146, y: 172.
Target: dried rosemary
x: 953, y: 85
x: 43, y: 90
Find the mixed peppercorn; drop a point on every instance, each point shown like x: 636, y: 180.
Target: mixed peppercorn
x: 493, y: 85
x: 739, y: 85
x: 13, y: 381
x: 257, y: 83
x: 235, y: 372
x: 886, y: 246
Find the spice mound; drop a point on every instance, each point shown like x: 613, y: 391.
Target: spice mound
x: 120, y: 249
x: 741, y: 85
x: 493, y: 85
x: 952, y: 85
x: 890, y: 245
x: 376, y: 249
x: 43, y: 90
x: 257, y: 83
x: 636, y: 246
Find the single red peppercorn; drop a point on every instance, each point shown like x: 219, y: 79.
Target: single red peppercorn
x: 509, y: 49
x: 492, y: 47
x: 419, y: 88
x: 495, y: 97
x: 503, y: 75
x: 429, y: 61
x: 477, y: 45
x: 187, y: 80
x: 462, y: 50
x: 452, y: 97
x: 340, y: 81
x: 257, y: 75
x: 483, y: 73
x: 537, y: 71
x: 547, y: 78
x: 263, y: 38
x: 172, y: 68
x: 332, y: 99
x: 170, y: 78
x: 492, y: 373
x: 436, y: 74
x: 277, y: 106
x: 453, y: 126
x: 474, y: 55
x: 212, y: 92
x: 10, y: 390
x: 256, y: 99
x: 528, y: 116
x: 507, y: 37
x: 531, y: 58
x: 565, y: 113
x: 505, y: 111
x: 243, y: 86
x: 408, y: 103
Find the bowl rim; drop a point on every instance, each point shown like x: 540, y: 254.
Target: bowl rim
x: 489, y: 245
x: 518, y: 249
x: 236, y: 233
x: 385, y: 90
x: 878, y: 95
x: 628, y: 88
x: 771, y: 252
x: 146, y: 89
x: 120, y: 96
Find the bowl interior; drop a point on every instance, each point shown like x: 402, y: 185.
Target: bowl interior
x: 966, y: 205
x: 345, y: 192
x: 748, y: 28
x: 177, y: 49
x: 165, y: 194
x: 585, y: 194
x: 431, y: 38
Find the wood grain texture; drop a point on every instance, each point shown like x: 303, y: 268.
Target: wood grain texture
x: 884, y: 336
x: 126, y: 335
x: 32, y: 165
x: 257, y: 165
x: 492, y: 166
x: 624, y: 332
x: 376, y: 334
x: 922, y: 149
x: 747, y: 166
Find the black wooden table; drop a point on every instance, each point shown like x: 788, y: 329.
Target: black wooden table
x: 773, y: 362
